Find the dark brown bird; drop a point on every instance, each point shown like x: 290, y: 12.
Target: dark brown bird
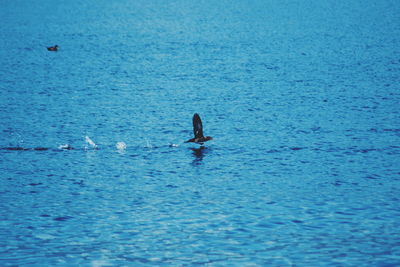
x: 199, y: 138
x: 52, y: 48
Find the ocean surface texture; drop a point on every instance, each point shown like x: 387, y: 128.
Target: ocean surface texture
x: 301, y: 97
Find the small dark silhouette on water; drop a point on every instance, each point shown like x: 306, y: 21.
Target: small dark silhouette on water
x: 199, y: 138
x: 52, y: 48
x: 18, y: 148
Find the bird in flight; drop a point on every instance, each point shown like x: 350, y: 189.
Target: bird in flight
x: 199, y: 138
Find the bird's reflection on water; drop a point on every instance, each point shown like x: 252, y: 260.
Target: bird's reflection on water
x: 199, y: 154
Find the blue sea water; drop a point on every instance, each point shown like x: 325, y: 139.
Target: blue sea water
x: 301, y: 97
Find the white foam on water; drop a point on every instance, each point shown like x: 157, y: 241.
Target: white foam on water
x: 120, y: 145
x: 66, y: 146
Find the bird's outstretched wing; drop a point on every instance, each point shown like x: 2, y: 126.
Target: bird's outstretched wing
x: 197, y: 126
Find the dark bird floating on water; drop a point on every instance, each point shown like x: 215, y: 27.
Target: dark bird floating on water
x: 52, y: 48
x: 199, y: 138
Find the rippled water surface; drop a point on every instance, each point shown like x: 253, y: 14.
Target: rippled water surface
x: 301, y: 97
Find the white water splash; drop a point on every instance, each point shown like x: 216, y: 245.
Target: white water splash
x: 148, y: 145
x: 90, y: 142
x: 66, y: 146
x: 173, y: 145
x: 120, y: 146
